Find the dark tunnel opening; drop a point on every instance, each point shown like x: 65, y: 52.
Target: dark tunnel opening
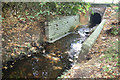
x: 95, y: 19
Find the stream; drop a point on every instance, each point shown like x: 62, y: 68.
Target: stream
x: 58, y: 56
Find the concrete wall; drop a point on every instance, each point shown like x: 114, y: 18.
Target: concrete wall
x: 98, y: 9
x: 102, y: 1
x: 60, y: 27
x: 87, y: 45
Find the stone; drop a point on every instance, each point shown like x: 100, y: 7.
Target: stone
x: 76, y: 67
x: 71, y: 60
x: 103, y: 38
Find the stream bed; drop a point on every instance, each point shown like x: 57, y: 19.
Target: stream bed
x: 57, y: 57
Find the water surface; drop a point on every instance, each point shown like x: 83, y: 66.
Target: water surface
x: 58, y: 56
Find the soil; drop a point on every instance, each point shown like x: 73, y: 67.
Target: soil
x: 18, y: 36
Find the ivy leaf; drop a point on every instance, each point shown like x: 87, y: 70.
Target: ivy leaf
x: 19, y: 16
x: 30, y: 16
x: 92, y: 12
x: 22, y: 19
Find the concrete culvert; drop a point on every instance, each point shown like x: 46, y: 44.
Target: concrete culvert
x: 95, y: 19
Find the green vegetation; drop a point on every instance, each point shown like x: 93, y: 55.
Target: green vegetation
x: 34, y: 10
x: 115, y: 8
x: 114, y: 31
x: 1, y: 18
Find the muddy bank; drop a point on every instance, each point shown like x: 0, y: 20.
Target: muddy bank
x: 19, y: 37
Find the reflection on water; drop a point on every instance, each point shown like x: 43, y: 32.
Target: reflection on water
x: 58, y: 57
x: 37, y: 66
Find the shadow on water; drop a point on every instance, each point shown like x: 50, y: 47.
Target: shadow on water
x: 58, y: 57
x: 36, y: 67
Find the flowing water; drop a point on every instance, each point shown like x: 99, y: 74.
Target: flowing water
x: 58, y: 56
